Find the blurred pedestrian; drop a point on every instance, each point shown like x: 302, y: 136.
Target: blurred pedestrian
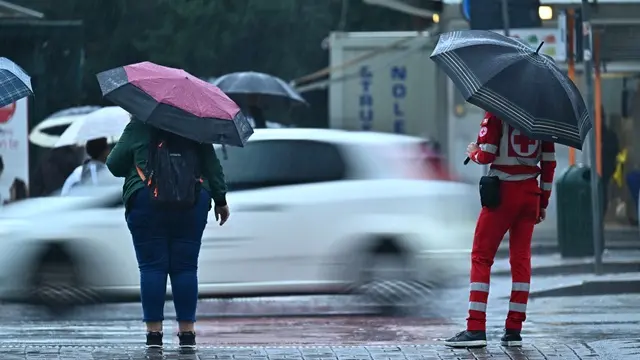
x: 610, y: 150
x: 169, y: 184
x: 255, y: 111
x: 97, y: 152
x: 18, y: 191
x: 53, y: 168
x: 2, y: 201
x: 511, y: 201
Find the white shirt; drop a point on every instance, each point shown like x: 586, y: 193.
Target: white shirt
x: 72, y: 180
x: 76, y: 176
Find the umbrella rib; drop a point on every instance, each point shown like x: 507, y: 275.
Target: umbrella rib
x: 463, y: 72
x: 493, y: 99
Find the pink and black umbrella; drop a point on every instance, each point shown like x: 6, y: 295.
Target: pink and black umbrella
x: 176, y: 101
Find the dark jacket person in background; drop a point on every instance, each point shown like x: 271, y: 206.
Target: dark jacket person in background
x: 166, y: 239
x: 18, y: 190
x: 255, y: 111
x: 610, y: 149
x: 53, y: 169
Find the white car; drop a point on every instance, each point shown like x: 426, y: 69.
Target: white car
x: 312, y: 211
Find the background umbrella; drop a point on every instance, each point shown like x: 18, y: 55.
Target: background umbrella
x: 15, y: 84
x: 251, y: 82
x: 47, y: 132
x: 511, y: 80
x: 176, y: 101
x: 108, y: 122
x: 250, y: 88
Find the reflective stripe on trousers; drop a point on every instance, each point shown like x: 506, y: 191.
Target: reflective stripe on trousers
x: 508, y: 177
x: 479, y: 292
x: 518, y: 305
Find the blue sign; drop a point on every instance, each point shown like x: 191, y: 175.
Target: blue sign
x: 399, y: 93
x: 466, y: 13
x: 366, y: 99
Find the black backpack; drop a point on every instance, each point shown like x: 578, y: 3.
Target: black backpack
x: 173, y: 171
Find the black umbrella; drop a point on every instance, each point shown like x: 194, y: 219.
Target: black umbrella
x: 251, y: 82
x: 513, y: 81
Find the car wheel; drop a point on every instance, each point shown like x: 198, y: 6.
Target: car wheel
x: 389, y: 282
x: 57, y: 286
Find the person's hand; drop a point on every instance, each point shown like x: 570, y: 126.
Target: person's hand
x: 541, y: 216
x: 222, y: 213
x: 471, y: 148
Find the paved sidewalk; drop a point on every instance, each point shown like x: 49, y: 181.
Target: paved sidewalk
x: 614, y: 262
x: 617, y: 349
x: 545, y: 240
x: 537, y: 351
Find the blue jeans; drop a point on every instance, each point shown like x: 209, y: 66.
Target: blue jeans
x: 167, y: 243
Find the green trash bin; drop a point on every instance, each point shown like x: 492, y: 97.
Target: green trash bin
x: 573, y: 200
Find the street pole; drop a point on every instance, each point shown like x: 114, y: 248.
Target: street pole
x: 505, y: 16
x: 506, y: 26
x: 596, y: 209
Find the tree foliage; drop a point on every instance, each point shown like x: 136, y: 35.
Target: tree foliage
x: 213, y: 37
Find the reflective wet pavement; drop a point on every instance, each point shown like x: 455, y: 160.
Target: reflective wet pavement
x: 560, y: 326
x: 529, y: 352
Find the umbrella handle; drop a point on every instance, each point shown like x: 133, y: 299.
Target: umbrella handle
x: 466, y: 161
x: 224, y: 152
x: 224, y: 148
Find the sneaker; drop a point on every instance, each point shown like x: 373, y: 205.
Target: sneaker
x: 468, y: 339
x: 187, y: 340
x: 511, y: 338
x: 154, y: 340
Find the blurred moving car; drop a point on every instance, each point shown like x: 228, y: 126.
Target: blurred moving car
x: 313, y: 212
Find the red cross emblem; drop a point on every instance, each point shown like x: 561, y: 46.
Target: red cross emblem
x: 521, y: 145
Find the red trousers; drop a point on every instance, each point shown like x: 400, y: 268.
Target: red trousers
x: 518, y: 214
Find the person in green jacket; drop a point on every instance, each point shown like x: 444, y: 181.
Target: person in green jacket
x: 166, y: 241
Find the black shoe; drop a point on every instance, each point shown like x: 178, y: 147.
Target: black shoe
x: 468, y: 339
x: 511, y: 338
x: 187, y: 340
x: 154, y: 339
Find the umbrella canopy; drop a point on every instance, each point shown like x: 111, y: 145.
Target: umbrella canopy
x: 15, y: 84
x: 513, y: 81
x: 250, y: 82
x: 176, y: 101
x: 108, y: 122
x: 47, y: 132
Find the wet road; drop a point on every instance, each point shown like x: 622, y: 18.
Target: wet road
x: 328, y: 320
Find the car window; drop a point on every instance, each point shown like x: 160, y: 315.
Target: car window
x: 281, y: 162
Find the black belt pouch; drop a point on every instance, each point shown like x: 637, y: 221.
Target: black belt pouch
x: 490, y: 192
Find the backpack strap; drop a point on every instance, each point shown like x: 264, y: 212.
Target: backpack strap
x: 142, y: 176
x: 153, y: 140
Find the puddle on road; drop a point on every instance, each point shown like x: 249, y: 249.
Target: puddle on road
x: 347, y: 331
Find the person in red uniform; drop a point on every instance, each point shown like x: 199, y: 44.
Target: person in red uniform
x: 516, y: 162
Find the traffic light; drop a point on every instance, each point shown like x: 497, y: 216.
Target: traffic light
x: 487, y: 14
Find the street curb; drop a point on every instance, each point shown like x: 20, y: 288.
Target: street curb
x: 591, y: 288
x: 608, y: 267
x: 551, y: 247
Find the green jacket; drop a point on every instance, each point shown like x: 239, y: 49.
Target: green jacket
x: 132, y: 150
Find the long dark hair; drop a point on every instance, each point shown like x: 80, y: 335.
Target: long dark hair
x: 20, y: 189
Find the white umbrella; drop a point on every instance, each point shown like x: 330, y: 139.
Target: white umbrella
x: 62, y: 118
x: 108, y: 122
